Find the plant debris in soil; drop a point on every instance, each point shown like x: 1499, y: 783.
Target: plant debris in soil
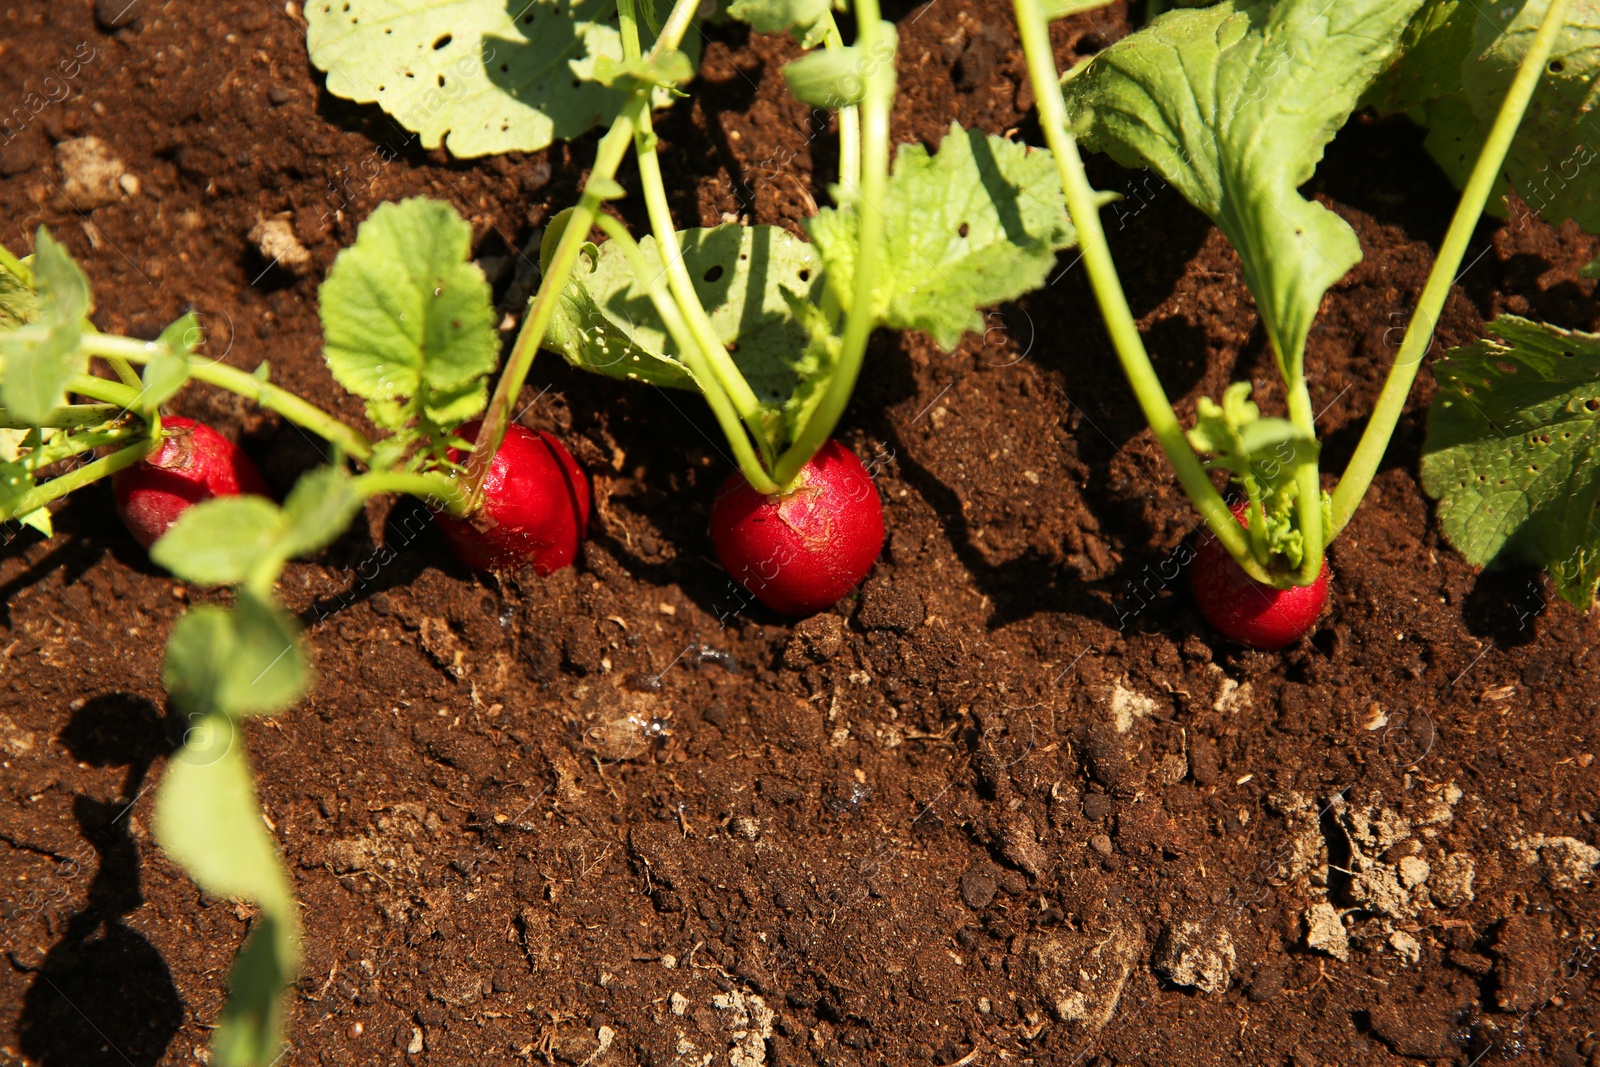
x: 1012, y: 803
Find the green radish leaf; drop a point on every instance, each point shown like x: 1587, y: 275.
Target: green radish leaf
x: 749, y: 278
x: 408, y: 319
x: 1264, y: 456
x: 973, y: 225
x: 804, y: 18
x: 832, y: 79
x: 1458, y: 61
x: 247, y: 661
x: 1513, y: 451
x: 219, y: 541
x: 168, y: 370
x: 208, y: 819
x: 1233, y: 104
x: 250, y: 1026
x: 41, y: 357
x: 18, y: 303
x: 479, y: 76
x: 319, y: 508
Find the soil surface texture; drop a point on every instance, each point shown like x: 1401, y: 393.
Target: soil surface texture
x: 1011, y: 803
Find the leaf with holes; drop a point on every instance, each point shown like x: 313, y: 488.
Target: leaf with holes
x: 977, y: 223
x: 1513, y: 451
x: 1457, y: 62
x: 479, y: 76
x: 755, y: 282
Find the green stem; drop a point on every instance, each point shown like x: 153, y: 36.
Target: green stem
x: 613, y: 147
x: 653, y: 187
x: 430, y: 486
x: 1308, y: 484
x: 69, y: 417
x: 107, y: 392
x: 866, y: 202
x: 1113, y: 302
x: 849, y: 118
x: 73, y: 480
x: 273, y: 398
x: 66, y: 446
x: 608, y: 157
x: 15, y: 267
x: 693, y: 355
x: 1363, y: 466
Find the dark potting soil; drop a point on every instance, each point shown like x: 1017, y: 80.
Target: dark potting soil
x: 1012, y: 803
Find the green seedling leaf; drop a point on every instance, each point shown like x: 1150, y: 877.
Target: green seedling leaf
x: 670, y: 68
x: 41, y: 357
x: 832, y: 79
x: 1233, y: 104
x: 250, y: 1028
x: 479, y: 76
x: 1264, y: 455
x: 247, y: 661
x: 1513, y: 451
x: 18, y: 304
x: 1458, y: 61
x: 803, y: 18
x: 220, y: 541
x: 1591, y: 270
x: 168, y: 370
x: 748, y: 277
x: 973, y: 225
x: 208, y: 819
x: 319, y: 508
x: 408, y: 319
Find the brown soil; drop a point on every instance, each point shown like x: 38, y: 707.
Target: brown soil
x: 1013, y: 790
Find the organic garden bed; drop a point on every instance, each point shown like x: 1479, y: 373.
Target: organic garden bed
x: 1013, y: 803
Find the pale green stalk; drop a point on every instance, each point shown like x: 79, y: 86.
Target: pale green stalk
x: 1113, y: 302
x: 867, y: 203
x: 613, y: 148
x: 693, y: 355
x: 1363, y: 466
x: 56, y: 488
x: 654, y: 190
x: 433, y: 485
x: 274, y: 398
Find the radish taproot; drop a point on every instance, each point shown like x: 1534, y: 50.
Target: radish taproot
x: 535, y: 506
x: 1245, y: 610
x: 193, y: 463
x: 801, y: 551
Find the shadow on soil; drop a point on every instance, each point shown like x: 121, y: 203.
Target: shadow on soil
x: 103, y: 994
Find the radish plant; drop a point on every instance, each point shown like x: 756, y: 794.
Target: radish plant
x: 409, y: 327
x: 1232, y: 104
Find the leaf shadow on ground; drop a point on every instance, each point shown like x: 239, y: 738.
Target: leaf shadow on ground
x: 103, y: 994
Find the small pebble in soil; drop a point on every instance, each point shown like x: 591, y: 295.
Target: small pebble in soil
x: 1196, y: 953
x: 977, y: 890
x: 116, y: 14
x: 279, y: 96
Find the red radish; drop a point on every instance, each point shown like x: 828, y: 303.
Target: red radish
x: 800, y: 552
x: 1242, y: 609
x: 193, y: 463
x: 535, y: 505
